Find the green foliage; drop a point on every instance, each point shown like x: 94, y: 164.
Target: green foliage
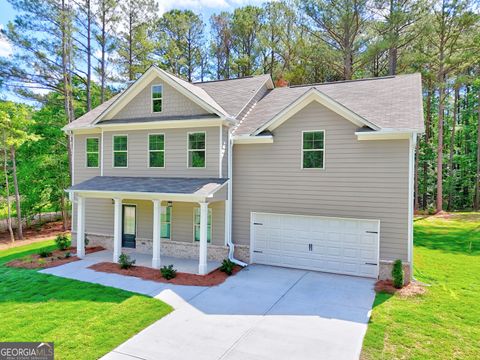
x: 397, y: 274
x: 227, y: 266
x: 44, y: 253
x: 125, y: 262
x: 29, y: 294
x: 67, y: 254
x: 63, y: 241
x: 168, y: 272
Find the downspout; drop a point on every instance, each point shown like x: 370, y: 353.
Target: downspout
x: 411, y: 170
x: 230, y: 244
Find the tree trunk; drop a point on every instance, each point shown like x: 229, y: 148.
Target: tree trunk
x: 452, y: 149
x: 17, y: 194
x: 441, y: 106
x: 103, y: 50
x: 89, y: 55
x: 7, y: 189
x: 392, y: 61
x: 428, y: 122
x: 64, y: 212
x: 477, y: 187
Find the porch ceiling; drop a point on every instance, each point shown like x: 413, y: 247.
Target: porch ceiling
x: 172, y: 187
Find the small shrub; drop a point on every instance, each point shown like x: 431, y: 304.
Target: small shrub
x: 168, y: 272
x: 86, y: 241
x: 227, y: 266
x: 44, y: 253
x: 67, y: 254
x: 62, y: 241
x: 125, y: 262
x: 42, y: 262
x: 397, y: 274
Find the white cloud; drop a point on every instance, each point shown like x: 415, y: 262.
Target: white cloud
x: 205, y: 5
x: 5, y: 47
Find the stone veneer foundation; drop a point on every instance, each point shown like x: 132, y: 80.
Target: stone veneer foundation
x: 179, y: 249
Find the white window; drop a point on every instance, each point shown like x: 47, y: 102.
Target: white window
x: 196, y: 150
x: 120, y: 151
x: 156, y: 150
x: 196, y: 225
x: 166, y: 221
x: 157, y: 102
x: 91, y: 150
x: 313, y: 149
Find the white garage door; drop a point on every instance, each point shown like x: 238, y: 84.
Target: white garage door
x: 337, y: 245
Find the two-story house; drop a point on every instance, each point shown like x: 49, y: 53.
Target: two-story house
x: 315, y: 177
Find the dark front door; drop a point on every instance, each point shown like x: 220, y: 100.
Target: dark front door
x: 129, y: 229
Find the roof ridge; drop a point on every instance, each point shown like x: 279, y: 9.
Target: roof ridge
x: 231, y: 79
x: 346, y: 81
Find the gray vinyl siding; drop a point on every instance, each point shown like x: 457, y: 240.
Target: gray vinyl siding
x: 173, y: 103
x: 225, y: 150
x: 361, y: 179
x: 80, y: 171
x: 99, y: 219
x: 176, y: 153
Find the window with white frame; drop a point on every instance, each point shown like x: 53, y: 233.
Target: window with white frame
x: 156, y: 150
x: 166, y: 221
x: 313, y: 149
x: 157, y: 102
x: 120, y: 151
x: 196, y: 150
x: 91, y: 149
x: 196, y: 224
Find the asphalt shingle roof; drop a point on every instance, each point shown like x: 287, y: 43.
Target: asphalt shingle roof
x: 234, y: 94
x: 390, y: 103
x: 195, y: 186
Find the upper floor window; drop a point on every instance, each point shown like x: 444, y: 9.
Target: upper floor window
x: 157, y: 93
x: 156, y: 150
x: 120, y: 151
x: 196, y: 150
x: 91, y: 149
x: 313, y: 149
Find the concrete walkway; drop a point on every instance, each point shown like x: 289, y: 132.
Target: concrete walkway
x: 262, y: 313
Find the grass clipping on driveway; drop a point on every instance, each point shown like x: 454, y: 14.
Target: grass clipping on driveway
x: 442, y: 323
x: 85, y: 321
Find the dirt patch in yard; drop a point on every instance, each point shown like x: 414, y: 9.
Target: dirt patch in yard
x: 56, y: 258
x: 412, y: 289
x: 33, y: 234
x: 213, y: 278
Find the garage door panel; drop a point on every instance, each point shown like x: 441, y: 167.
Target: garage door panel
x: 317, y: 243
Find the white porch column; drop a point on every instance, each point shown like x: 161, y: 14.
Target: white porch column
x: 80, y: 227
x: 157, y: 233
x: 202, y: 263
x: 117, y: 229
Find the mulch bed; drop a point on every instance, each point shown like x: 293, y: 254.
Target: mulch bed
x: 56, y: 258
x: 411, y: 289
x: 33, y: 234
x: 213, y: 278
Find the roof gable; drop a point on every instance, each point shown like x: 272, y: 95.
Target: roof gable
x: 196, y: 95
x: 308, y: 97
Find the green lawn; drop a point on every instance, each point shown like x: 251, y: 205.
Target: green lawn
x: 443, y: 323
x: 84, y: 320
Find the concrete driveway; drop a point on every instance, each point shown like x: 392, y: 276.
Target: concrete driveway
x: 262, y: 313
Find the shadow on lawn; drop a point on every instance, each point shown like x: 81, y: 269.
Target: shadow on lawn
x: 452, y: 240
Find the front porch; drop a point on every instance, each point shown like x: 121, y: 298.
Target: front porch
x: 142, y: 234
x: 189, y: 266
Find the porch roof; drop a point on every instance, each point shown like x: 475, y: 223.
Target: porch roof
x: 150, y: 186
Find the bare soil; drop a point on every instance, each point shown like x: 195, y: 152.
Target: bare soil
x: 33, y: 234
x: 213, y: 278
x: 58, y: 257
x: 411, y: 289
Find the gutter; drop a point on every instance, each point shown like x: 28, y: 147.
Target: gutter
x: 231, y: 246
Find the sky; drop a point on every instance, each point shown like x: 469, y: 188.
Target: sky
x: 203, y: 7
